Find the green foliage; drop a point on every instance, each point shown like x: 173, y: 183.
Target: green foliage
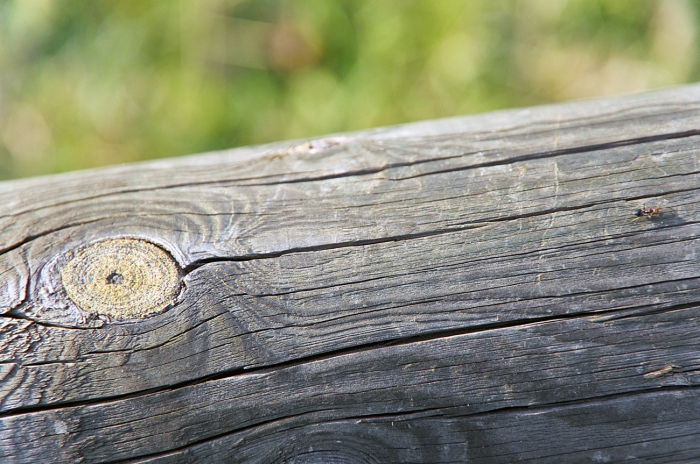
x: 88, y: 83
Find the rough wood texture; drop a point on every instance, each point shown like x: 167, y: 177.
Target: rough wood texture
x: 476, y: 289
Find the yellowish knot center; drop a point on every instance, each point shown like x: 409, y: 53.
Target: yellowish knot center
x: 122, y: 278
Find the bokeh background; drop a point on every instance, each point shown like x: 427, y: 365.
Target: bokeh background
x: 86, y: 83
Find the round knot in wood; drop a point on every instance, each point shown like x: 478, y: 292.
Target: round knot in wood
x: 122, y: 278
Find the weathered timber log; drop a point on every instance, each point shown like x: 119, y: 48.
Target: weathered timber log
x: 517, y: 286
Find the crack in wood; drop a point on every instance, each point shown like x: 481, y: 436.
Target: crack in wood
x: 564, y: 151
x: 430, y: 336
x: 397, y: 238
x: 317, y: 417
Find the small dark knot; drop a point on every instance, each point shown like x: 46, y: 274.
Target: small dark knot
x: 114, y: 278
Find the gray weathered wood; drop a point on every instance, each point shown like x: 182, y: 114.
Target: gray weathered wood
x: 469, y: 290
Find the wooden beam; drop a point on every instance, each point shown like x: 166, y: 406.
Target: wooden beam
x: 487, y: 288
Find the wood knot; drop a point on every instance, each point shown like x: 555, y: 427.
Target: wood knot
x: 122, y: 278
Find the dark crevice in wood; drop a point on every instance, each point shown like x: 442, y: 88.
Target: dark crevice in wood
x: 429, y: 336
x: 502, y: 162
x: 629, y: 287
x: 600, y: 315
x: 544, y: 126
x: 398, y: 238
x: 364, y: 172
x: 478, y: 260
x: 218, y: 436
x: 460, y: 411
x: 75, y: 404
x: 564, y: 151
x: 627, y: 313
x: 20, y: 317
x: 332, y: 246
x: 453, y: 411
x: 360, y: 172
x: 129, y: 190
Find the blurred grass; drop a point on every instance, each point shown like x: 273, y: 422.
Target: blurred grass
x: 89, y: 83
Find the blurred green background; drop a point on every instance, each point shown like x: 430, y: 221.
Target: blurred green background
x: 87, y: 83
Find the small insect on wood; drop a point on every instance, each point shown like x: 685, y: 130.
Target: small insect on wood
x: 645, y: 212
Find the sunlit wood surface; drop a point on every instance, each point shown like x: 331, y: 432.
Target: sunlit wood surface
x: 475, y: 289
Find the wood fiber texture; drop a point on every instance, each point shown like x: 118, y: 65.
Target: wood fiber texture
x: 476, y: 289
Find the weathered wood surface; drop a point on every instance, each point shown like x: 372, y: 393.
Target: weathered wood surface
x: 466, y: 290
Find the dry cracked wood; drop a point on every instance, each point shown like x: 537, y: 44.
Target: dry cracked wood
x: 469, y: 290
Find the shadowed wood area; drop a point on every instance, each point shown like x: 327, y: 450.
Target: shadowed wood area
x: 488, y: 289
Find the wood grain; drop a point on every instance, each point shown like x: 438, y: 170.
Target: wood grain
x: 481, y: 281
x: 662, y: 431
